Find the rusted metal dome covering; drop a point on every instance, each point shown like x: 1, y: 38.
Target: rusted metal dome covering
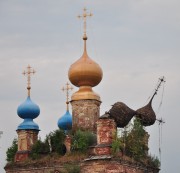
x: 121, y: 113
x: 105, y: 116
x: 146, y: 115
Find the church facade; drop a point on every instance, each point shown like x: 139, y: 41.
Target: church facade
x: 85, y: 74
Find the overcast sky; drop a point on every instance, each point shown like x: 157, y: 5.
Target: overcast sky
x: 134, y: 41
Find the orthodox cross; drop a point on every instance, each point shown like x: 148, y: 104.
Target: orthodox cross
x: 67, y: 89
x: 161, y: 80
x: 28, y: 73
x: 84, y: 16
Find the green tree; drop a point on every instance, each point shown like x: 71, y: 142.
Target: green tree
x: 54, y: 142
x: 116, y: 144
x: 38, y: 149
x: 11, y: 151
x: 57, y: 141
x: 135, y: 145
x: 154, y: 161
x: 82, y: 140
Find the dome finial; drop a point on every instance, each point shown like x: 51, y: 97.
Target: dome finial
x: 85, y: 73
x: 65, y: 122
x: 67, y: 89
x: 84, y: 16
x: 28, y: 74
x: 161, y: 80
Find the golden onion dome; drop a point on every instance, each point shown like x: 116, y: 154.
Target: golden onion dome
x: 85, y: 71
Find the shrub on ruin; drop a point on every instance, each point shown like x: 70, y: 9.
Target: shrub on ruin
x: 11, y: 151
x: 135, y: 146
x: 116, y: 144
x: 56, y: 141
x: 53, y: 143
x: 81, y: 140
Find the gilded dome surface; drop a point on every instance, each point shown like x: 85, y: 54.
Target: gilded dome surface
x: 85, y: 72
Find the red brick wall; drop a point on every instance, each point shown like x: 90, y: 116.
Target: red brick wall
x: 106, y: 129
x: 85, y: 114
x: 94, y: 166
x: 26, y: 138
x: 104, y: 166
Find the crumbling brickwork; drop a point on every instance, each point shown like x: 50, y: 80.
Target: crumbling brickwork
x: 85, y: 114
x: 26, y: 138
x: 106, y: 129
x: 92, y: 166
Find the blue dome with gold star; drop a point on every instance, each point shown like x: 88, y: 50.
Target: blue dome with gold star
x: 28, y: 111
x: 65, y: 122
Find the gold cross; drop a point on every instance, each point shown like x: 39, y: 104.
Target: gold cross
x: 67, y: 89
x: 84, y: 16
x: 28, y: 74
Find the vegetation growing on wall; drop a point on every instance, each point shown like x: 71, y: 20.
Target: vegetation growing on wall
x: 153, y: 161
x: 53, y: 143
x: 11, y: 151
x: 72, y: 168
x: 81, y: 140
x: 38, y: 149
x: 132, y: 144
x: 135, y: 142
x: 116, y: 144
x: 56, y: 140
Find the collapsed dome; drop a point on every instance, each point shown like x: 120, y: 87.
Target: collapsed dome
x: 121, y: 113
x: 146, y: 115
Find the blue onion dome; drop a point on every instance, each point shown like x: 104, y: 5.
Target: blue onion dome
x: 28, y: 109
x: 65, y: 122
x: 28, y: 124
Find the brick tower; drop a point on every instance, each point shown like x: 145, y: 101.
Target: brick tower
x: 85, y: 74
x: 28, y: 130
